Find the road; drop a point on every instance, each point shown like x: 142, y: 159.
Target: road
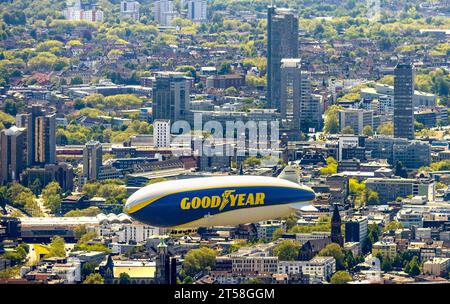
x: 45, y: 211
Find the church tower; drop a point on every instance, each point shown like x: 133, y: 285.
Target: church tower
x: 162, y: 263
x: 336, y: 233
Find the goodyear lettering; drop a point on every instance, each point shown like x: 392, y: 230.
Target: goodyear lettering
x: 228, y: 197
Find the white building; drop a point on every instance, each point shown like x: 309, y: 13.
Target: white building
x: 161, y: 133
x: 129, y: 9
x: 315, y: 235
x: 70, y: 272
x: 423, y: 233
x: 197, y: 10
x: 254, y: 264
x: 137, y: 233
x: 318, y: 268
x: 76, y: 12
x: 164, y: 12
x: 436, y: 266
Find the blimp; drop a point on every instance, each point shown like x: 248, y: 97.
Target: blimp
x: 216, y: 201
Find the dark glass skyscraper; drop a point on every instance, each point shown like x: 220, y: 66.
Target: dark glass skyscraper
x: 282, y: 42
x: 12, y: 156
x: 403, y: 101
x: 170, y: 96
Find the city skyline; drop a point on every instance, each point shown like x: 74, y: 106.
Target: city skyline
x: 224, y: 142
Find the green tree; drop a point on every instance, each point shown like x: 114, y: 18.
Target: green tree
x: 413, y: 268
x: 196, y: 260
x: 91, y: 211
x: 52, y: 196
x: 188, y: 280
x: 287, y: 250
x: 331, y: 167
x: 57, y: 247
x: 331, y: 122
x: 277, y: 233
x: 348, y: 130
x: 386, y: 265
x: 386, y: 128
x: 94, y: 278
x: 336, y: 251
x: 124, y: 278
x: 392, y: 225
x: 252, y: 161
x: 341, y: 277
x: 253, y: 281
x: 87, y: 268
x: 156, y: 180
x: 367, y: 130
x: 231, y: 91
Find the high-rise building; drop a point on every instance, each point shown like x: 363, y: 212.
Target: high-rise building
x: 290, y: 73
x: 336, y: 231
x: 129, y: 9
x: 403, y: 101
x: 41, y: 137
x: 282, y: 42
x: 92, y: 160
x: 161, y: 133
x: 356, y: 230
x: 170, y: 96
x: 12, y: 160
x: 310, y: 105
x: 163, y: 12
x: 197, y: 10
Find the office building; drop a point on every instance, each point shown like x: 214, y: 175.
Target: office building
x: 389, y: 189
x: 197, y: 10
x: 409, y: 218
x: 290, y: 73
x: 356, y: 119
x: 266, y: 229
x: 92, y: 160
x: 129, y: 9
x: 41, y: 138
x: 412, y: 154
x: 171, y: 96
x: 403, y: 101
x: 356, y: 229
x: 282, y: 42
x: 12, y: 157
x: 310, y: 105
x: 386, y: 249
x: 161, y: 133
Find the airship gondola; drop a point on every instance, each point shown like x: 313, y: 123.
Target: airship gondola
x: 216, y: 201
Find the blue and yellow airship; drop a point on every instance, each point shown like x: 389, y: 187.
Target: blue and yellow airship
x: 216, y: 201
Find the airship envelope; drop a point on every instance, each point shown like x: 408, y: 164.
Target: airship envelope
x: 216, y: 201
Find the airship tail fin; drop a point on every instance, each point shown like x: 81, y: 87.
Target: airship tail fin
x: 291, y: 173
